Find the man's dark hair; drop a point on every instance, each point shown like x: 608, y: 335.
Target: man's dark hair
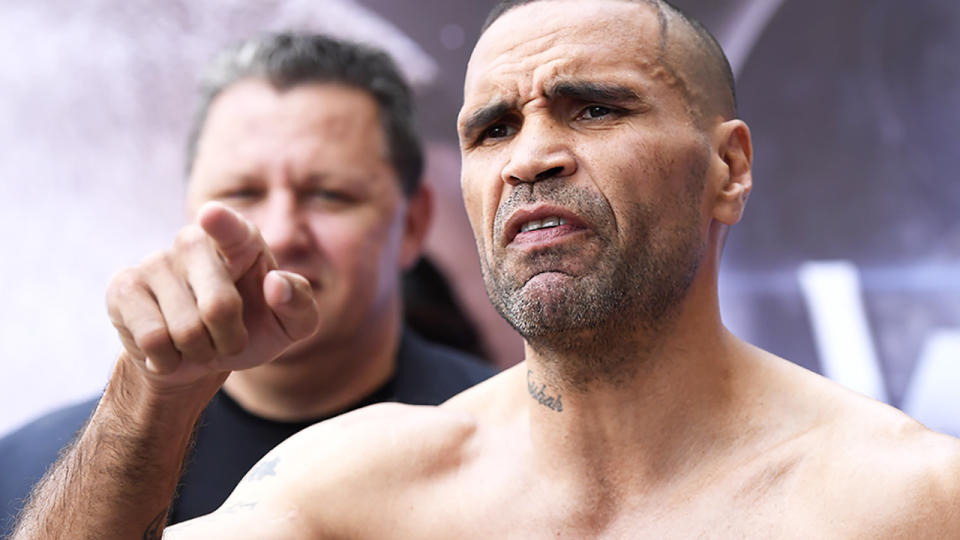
x: 286, y: 60
x: 708, y: 46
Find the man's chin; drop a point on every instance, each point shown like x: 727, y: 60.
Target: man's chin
x: 542, y: 317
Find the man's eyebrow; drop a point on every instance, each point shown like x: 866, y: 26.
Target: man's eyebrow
x: 485, y: 115
x: 578, y: 90
x: 592, y: 91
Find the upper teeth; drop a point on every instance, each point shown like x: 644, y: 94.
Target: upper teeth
x: 545, y: 223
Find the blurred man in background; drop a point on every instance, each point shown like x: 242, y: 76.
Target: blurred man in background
x: 314, y: 141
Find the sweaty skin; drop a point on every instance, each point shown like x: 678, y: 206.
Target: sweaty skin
x: 670, y: 427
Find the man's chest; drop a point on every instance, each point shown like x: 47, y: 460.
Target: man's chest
x: 768, y: 501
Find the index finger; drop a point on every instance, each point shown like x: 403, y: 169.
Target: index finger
x: 237, y: 240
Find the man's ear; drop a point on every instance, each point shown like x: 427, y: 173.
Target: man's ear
x: 735, y: 150
x: 416, y: 224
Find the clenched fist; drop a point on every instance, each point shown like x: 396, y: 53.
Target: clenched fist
x: 214, y: 302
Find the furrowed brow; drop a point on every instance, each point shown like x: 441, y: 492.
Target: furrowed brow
x: 485, y: 115
x: 592, y: 91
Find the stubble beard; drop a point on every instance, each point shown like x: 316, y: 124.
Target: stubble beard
x: 616, y: 309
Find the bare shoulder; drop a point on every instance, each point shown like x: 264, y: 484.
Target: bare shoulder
x: 338, y: 476
x: 903, y: 477
x: 873, y: 471
x: 362, y: 474
x: 382, y: 447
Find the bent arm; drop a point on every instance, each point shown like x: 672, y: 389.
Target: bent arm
x: 187, y: 317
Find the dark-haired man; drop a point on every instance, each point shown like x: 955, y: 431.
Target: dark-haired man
x: 313, y: 140
x: 602, y: 166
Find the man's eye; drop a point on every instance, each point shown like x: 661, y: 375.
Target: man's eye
x: 329, y: 195
x: 595, y: 111
x: 498, y: 131
x: 240, y: 194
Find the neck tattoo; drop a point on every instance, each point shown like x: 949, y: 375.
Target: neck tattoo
x: 537, y: 392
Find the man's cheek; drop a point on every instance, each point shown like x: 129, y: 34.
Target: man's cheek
x: 471, y: 202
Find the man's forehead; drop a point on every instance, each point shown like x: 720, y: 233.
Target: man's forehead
x: 322, y: 107
x: 252, y: 126
x: 549, y: 40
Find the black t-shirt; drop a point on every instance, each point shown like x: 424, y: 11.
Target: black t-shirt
x: 229, y: 440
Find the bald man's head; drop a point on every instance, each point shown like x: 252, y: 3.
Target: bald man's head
x: 688, y: 51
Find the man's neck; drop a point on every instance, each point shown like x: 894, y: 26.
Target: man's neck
x: 320, y: 378
x: 670, y: 409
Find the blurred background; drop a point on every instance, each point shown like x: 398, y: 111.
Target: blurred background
x: 847, y: 262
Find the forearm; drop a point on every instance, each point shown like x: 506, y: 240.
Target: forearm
x: 116, y: 480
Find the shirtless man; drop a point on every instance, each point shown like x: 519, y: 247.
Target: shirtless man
x: 602, y: 166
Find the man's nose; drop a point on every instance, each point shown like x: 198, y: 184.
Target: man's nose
x: 540, y: 151
x: 283, y: 224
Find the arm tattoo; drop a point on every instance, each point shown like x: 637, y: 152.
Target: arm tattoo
x: 262, y: 470
x: 240, y: 507
x: 155, y: 528
x: 537, y: 392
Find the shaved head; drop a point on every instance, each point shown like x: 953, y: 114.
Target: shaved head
x: 688, y: 51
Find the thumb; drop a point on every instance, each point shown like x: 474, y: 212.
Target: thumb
x: 290, y: 297
x: 236, y: 239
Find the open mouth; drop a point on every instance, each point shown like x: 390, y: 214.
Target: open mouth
x: 546, y: 223
x: 541, y: 223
